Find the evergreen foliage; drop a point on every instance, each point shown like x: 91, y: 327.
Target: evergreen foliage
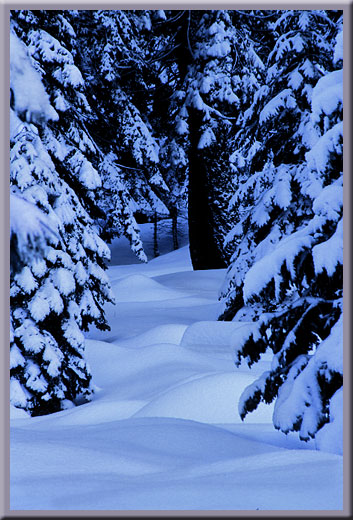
x: 123, y: 73
x: 125, y: 116
x: 224, y: 69
x: 54, y: 297
x: 285, y: 274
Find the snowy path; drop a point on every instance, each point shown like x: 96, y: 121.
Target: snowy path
x: 163, y: 430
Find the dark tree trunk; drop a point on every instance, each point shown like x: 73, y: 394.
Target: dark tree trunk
x: 174, y: 214
x: 155, y: 235
x: 204, y: 251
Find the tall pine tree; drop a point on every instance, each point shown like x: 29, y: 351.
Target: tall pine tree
x: 56, y: 296
x: 285, y: 276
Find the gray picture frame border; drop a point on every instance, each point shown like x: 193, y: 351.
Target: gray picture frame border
x: 5, y: 8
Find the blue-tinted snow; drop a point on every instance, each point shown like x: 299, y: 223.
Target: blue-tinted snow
x: 163, y: 431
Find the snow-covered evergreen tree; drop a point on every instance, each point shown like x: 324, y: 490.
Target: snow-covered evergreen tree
x: 85, y: 169
x: 274, y: 133
x: 57, y: 294
x: 120, y: 65
x: 223, y: 66
x: 285, y: 276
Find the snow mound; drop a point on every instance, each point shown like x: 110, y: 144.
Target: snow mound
x: 103, y: 410
x: 162, y: 431
x: 209, y: 399
x: 137, y: 373
x: 211, y: 336
x: 155, y: 444
x: 261, y: 461
x: 18, y: 413
x: 172, y: 333
x: 141, y: 288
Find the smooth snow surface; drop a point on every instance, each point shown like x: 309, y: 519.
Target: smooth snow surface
x: 141, y: 288
x: 163, y: 431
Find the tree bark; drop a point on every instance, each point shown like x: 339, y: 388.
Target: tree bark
x: 174, y: 214
x: 204, y: 251
x: 155, y: 235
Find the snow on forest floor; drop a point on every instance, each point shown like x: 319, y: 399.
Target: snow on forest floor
x: 163, y: 431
